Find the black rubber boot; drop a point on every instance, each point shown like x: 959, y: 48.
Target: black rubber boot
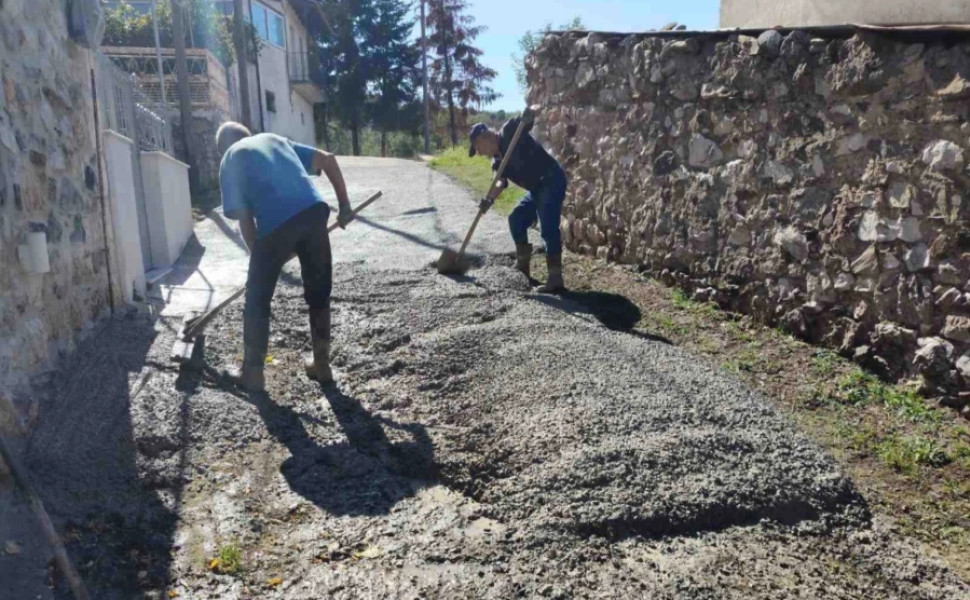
x: 318, y: 366
x: 523, y: 258
x: 554, y: 283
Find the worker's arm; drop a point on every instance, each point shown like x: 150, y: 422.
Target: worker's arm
x: 247, y: 226
x: 327, y: 164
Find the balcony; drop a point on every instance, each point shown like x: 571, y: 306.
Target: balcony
x: 306, y: 75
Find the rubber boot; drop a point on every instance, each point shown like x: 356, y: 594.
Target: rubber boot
x: 523, y: 258
x: 554, y: 283
x: 250, y: 378
x: 318, y: 367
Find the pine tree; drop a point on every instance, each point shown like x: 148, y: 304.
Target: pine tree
x: 346, y: 63
x: 456, y: 72
x: 392, y: 68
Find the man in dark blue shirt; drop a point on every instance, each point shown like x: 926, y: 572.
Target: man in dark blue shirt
x: 265, y: 184
x: 535, y: 170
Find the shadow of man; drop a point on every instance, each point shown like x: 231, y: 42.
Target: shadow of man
x: 614, y: 311
x: 381, y: 462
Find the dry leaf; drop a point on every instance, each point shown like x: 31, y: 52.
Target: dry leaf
x: 367, y: 552
x: 214, y: 564
x: 275, y: 581
x: 173, y: 594
x: 270, y: 359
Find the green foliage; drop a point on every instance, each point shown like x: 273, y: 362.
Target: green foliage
x: 476, y: 174
x: 228, y: 560
x: 457, y: 78
x: 907, y: 454
x: 209, y: 29
x: 529, y: 42
x: 861, y: 389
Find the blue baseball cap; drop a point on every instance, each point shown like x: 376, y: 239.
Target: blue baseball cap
x: 476, y: 130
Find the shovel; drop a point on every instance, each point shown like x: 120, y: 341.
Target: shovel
x: 192, y: 326
x: 454, y: 263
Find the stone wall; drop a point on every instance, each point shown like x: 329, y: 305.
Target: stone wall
x: 818, y: 184
x: 49, y: 178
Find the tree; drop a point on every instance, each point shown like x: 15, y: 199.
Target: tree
x: 529, y: 42
x: 456, y: 72
x: 392, y: 68
x: 345, y: 63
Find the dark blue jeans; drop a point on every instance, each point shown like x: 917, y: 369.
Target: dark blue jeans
x: 306, y: 236
x: 545, y: 206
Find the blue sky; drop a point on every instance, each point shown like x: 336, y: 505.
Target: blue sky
x: 507, y: 20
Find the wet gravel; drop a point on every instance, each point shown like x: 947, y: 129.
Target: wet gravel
x: 481, y: 442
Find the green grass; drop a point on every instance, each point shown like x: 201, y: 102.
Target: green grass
x: 476, y: 174
x: 907, y: 454
x: 861, y: 389
x: 229, y: 560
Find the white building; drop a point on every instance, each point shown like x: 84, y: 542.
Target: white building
x: 285, y: 83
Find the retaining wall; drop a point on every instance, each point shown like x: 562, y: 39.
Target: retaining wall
x: 815, y: 183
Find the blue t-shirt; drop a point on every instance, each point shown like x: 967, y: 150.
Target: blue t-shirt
x: 269, y: 176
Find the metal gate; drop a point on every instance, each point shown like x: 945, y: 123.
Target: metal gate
x: 126, y: 109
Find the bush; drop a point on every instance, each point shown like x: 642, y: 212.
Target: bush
x: 210, y: 29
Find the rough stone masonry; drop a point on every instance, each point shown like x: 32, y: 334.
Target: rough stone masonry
x: 814, y: 183
x: 48, y: 183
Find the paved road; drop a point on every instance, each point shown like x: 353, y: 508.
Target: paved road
x: 421, y: 212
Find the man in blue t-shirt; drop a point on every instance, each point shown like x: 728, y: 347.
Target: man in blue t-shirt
x: 530, y: 167
x: 266, y: 186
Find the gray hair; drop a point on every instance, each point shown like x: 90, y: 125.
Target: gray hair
x: 229, y: 133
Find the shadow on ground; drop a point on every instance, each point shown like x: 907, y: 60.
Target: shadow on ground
x: 614, y: 311
x: 381, y: 462
x: 83, y: 459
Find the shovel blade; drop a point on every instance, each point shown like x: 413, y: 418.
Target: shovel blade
x: 451, y: 263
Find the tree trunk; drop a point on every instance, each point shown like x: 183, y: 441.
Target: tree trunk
x: 242, y: 61
x: 355, y: 133
x: 451, y: 99
x: 185, y: 106
x: 326, y: 126
x: 383, y: 142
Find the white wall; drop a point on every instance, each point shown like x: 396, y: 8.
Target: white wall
x: 294, y: 115
x: 803, y: 13
x: 121, y: 189
x: 168, y: 204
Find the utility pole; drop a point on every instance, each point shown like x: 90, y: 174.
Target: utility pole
x: 424, y: 84
x: 158, y: 54
x: 182, y: 77
x: 242, y: 59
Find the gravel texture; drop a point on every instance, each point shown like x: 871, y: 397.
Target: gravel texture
x: 482, y: 441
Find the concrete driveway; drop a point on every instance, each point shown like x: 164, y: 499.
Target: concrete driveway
x: 421, y: 212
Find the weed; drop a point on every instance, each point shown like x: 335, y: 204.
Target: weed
x: 825, y: 362
x: 861, y: 389
x: 907, y: 454
x: 681, y: 300
x: 228, y: 560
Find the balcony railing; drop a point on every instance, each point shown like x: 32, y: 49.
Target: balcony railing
x: 306, y: 74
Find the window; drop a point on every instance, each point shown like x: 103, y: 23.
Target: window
x: 269, y: 24
x: 270, y: 101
